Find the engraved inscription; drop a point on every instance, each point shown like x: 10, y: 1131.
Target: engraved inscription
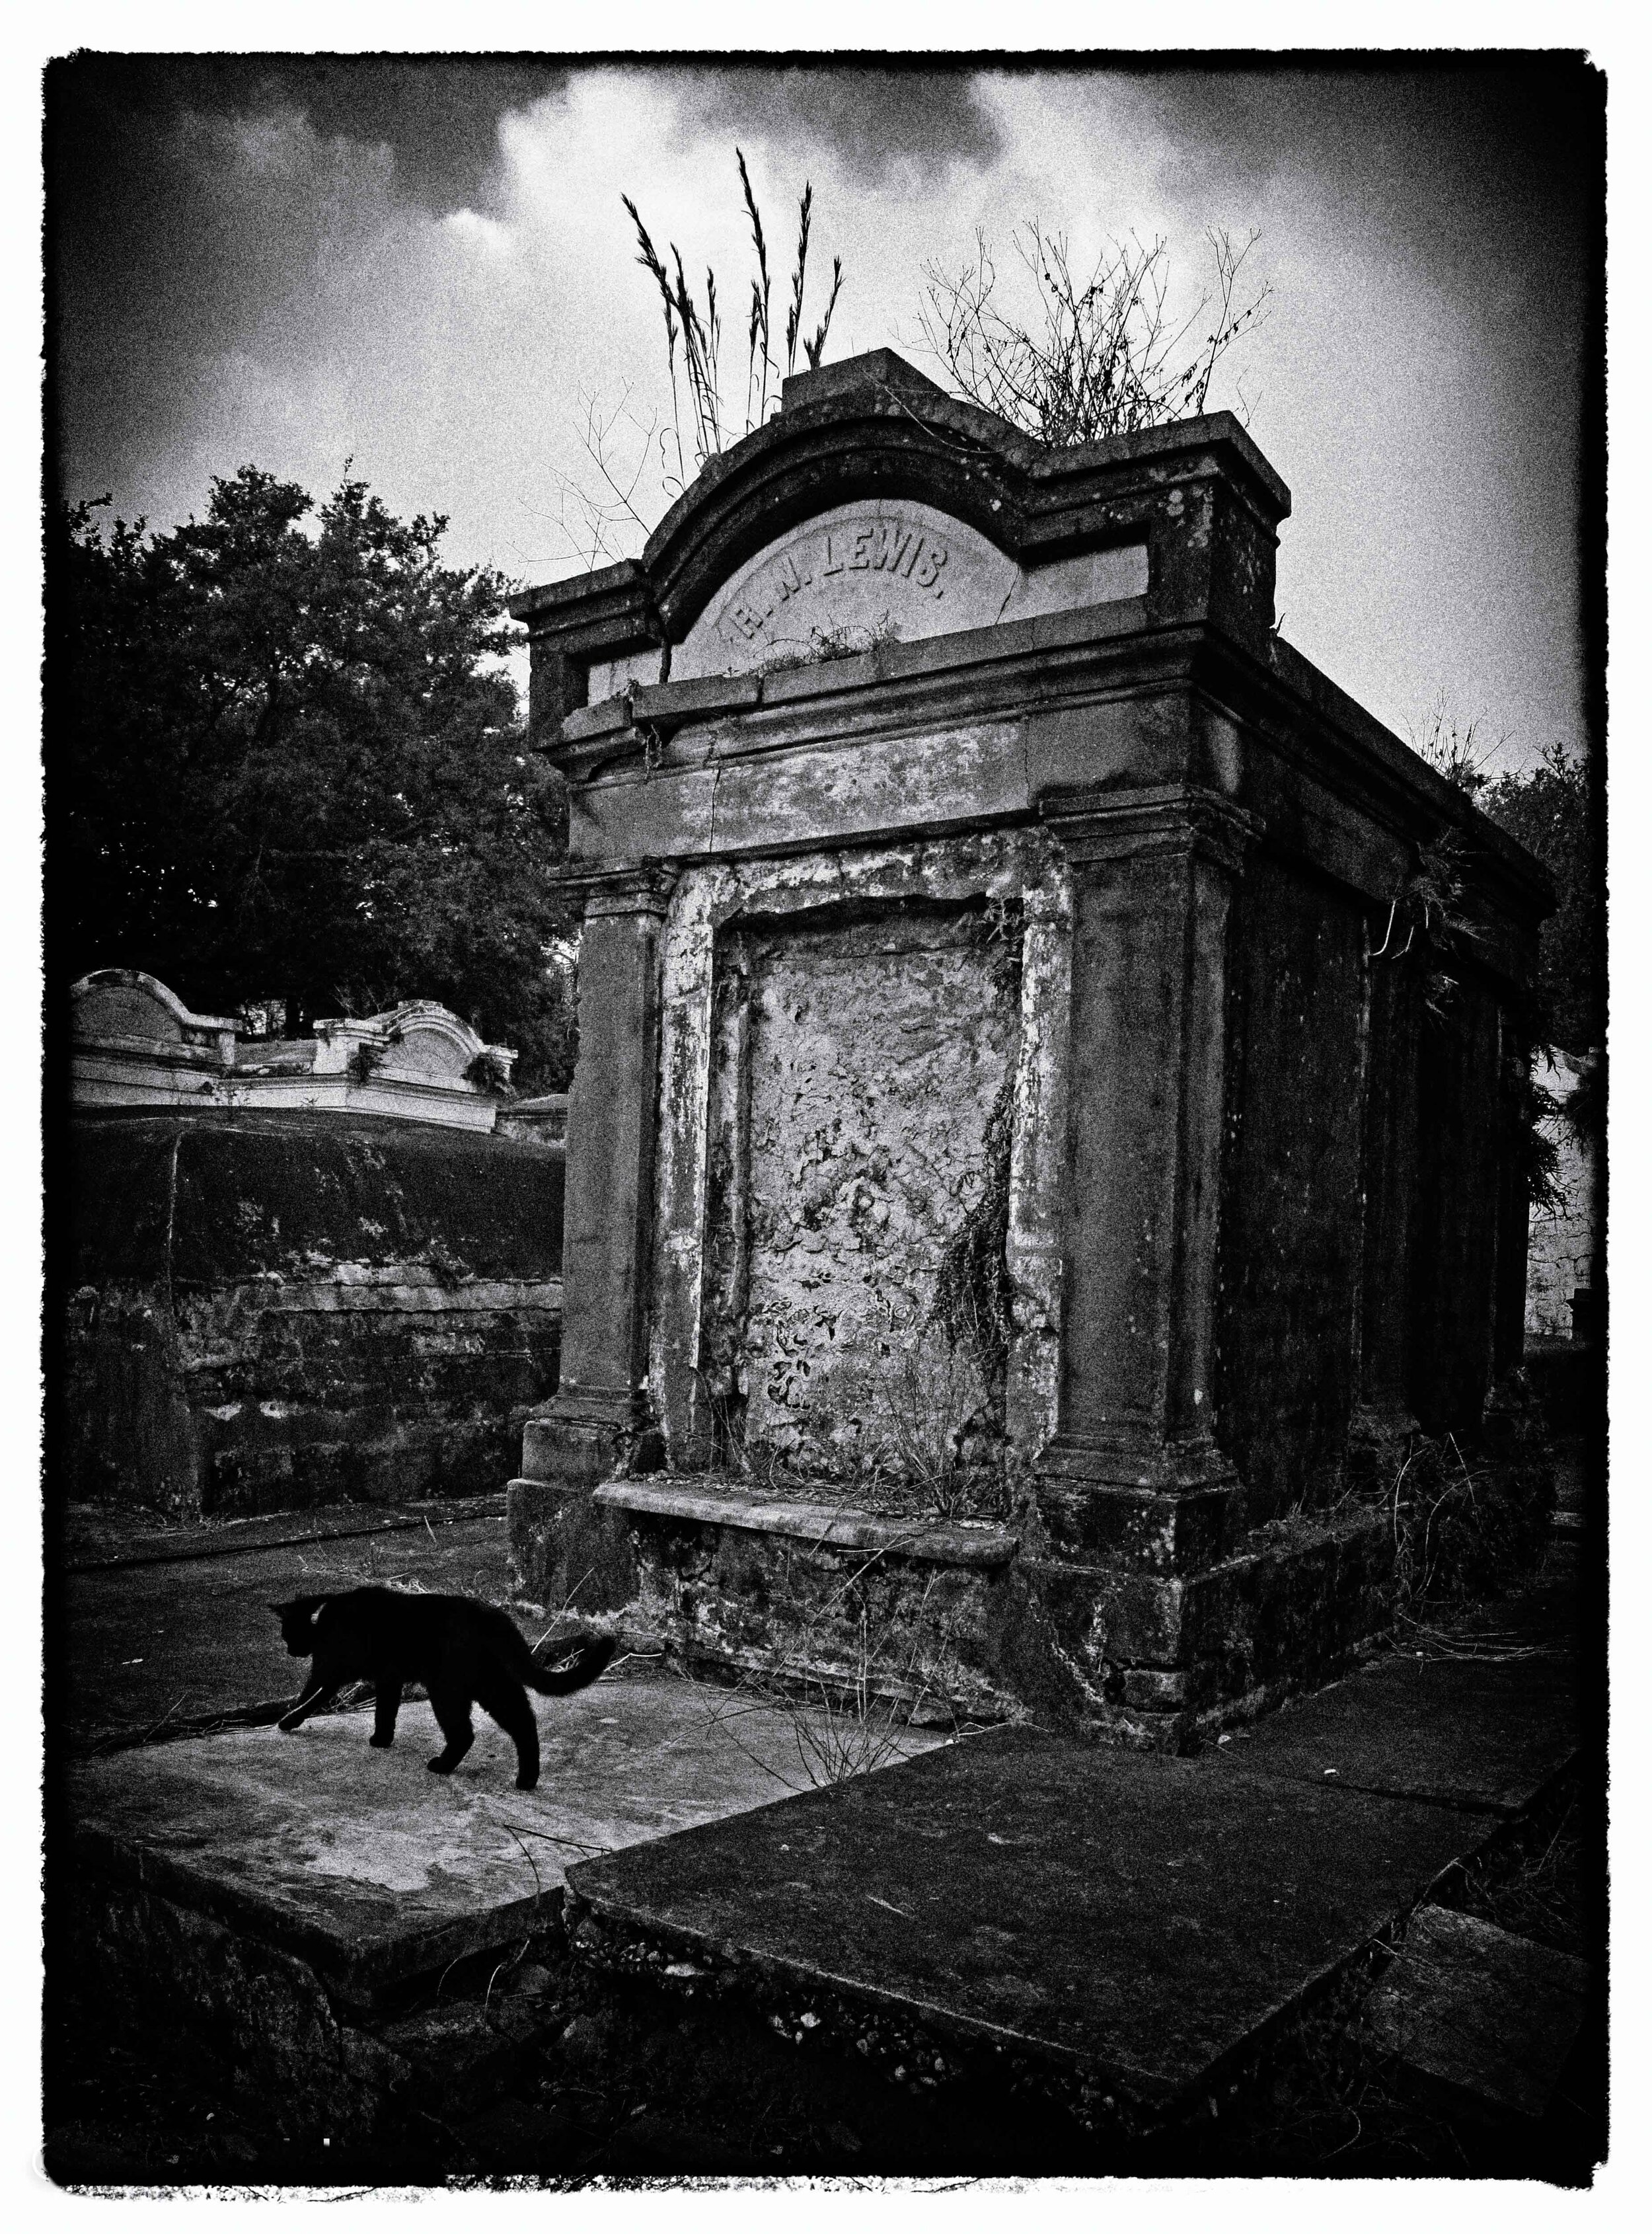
x: 882, y: 569
x: 896, y: 548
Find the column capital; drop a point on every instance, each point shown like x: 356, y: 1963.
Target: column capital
x: 632, y: 888
x: 1095, y: 825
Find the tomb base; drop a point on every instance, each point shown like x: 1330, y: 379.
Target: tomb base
x: 949, y: 1622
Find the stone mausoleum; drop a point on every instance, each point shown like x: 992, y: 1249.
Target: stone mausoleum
x: 1023, y: 1186
x: 135, y: 1045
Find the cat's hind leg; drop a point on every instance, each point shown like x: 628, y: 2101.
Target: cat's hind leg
x: 452, y: 1710
x: 507, y: 1701
x: 387, y: 1697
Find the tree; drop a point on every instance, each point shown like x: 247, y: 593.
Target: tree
x: 285, y: 767
x: 1552, y: 810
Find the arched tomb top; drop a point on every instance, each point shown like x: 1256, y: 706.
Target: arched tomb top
x: 130, y: 1004
x: 870, y: 443
x: 415, y: 1040
x: 883, y: 569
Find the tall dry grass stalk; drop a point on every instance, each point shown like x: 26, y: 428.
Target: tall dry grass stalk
x: 709, y: 425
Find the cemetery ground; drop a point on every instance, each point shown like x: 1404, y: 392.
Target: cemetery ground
x: 1363, y: 1937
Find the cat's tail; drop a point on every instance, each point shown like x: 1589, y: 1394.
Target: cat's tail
x: 587, y: 1663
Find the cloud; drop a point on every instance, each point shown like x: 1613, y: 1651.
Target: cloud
x: 887, y: 121
x: 277, y: 267
x: 438, y: 116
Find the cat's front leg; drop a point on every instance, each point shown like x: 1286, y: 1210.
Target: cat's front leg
x: 311, y: 1703
x: 386, y: 1699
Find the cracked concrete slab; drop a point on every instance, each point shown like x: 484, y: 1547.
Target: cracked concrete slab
x: 1474, y: 1733
x: 374, y: 1871
x: 1135, y: 1916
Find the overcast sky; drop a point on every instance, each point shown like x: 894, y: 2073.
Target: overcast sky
x: 424, y: 267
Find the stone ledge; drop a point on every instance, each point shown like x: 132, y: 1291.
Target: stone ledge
x: 614, y: 722
x: 380, y: 1290
x: 947, y: 1543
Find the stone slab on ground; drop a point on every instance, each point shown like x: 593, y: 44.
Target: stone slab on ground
x: 93, y: 1536
x: 1488, y: 2014
x: 1133, y: 1918
x: 144, y: 1649
x: 374, y: 1871
x: 1460, y: 1732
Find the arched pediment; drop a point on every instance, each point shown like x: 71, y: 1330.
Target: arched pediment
x: 130, y: 1004
x: 871, y: 432
x: 883, y: 569
x: 941, y: 518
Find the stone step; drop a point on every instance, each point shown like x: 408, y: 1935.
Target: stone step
x: 837, y: 1527
x: 1479, y: 2011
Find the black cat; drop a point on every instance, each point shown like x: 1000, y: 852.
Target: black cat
x: 459, y: 1649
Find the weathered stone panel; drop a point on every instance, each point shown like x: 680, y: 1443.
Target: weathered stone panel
x: 1010, y: 900
x: 1291, y: 1255
x: 879, y: 1065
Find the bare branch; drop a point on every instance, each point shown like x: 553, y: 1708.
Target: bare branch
x: 1104, y: 355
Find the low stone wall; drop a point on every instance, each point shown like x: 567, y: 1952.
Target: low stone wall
x: 270, y: 1311
x: 182, y: 1985
x: 945, y: 1621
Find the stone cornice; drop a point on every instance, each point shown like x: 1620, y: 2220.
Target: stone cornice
x: 1038, y: 666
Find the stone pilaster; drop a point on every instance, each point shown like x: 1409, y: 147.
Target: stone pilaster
x: 1383, y: 1421
x: 561, y: 1548
x: 1134, y: 1473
